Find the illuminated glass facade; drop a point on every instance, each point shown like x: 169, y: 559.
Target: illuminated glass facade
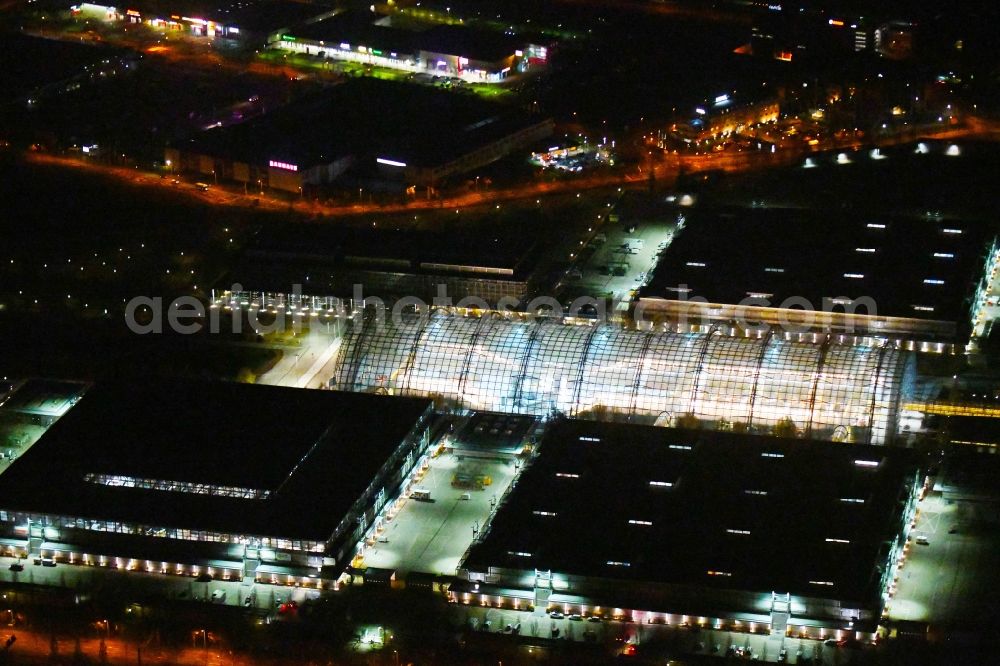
x: 828, y: 390
x: 121, y: 481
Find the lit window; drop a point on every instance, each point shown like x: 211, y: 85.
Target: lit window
x: 550, y: 514
x: 952, y: 231
x: 944, y: 255
x: 761, y: 493
x: 933, y: 281
x: 875, y: 225
x: 923, y: 308
x: 680, y: 447
x: 518, y: 553
x: 854, y: 276
x: 567, y: 475
x: 865, y: 250
x: 774, y: 270
x: 585, y: 438
x: 831, y: 540
x: 616, y: 563
x: 828, y: 583
x: 695, y: 264
x: 739, y: 532
x: 661, y: 484
x: 119, y: 481
x: 711, y: 572
x: 866, y: 463
x: 768, y: 454
x: 852, y: 500
x: 642, y: 523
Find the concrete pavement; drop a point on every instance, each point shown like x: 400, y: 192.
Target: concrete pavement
x: 949, y: 580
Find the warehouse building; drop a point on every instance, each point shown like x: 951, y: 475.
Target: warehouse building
x: 908, y: 279
x: 245, y: 21
x: 326, y: 269
x: 829, y: 387
x: 723, y: 117
x: 246, y: 483
x: 700, y: 528
x: 418, y: 137
x: 451, y: 50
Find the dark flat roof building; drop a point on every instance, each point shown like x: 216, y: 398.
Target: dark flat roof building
x: 242, y: 466
x: 35, y: 66
x: 356, y: 28
x: 324, y: 261
x: 405, y: 133
x: 250, y: 21
x: 471, y: 43
x: 671, y: 522
x: 902, y: 277
x: 450, y: 49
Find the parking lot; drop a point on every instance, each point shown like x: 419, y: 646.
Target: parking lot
x: 620, y: 260
x: 431, y: 536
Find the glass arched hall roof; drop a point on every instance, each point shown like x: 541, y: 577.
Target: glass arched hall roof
x: 542, y: 366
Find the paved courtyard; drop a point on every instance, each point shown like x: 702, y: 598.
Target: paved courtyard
x: 951, y: 578
x: 431, y: 536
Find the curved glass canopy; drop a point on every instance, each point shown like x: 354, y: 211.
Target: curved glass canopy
x: 542, y: 366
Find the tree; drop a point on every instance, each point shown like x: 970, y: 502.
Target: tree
x: 246, y: 376
x: 689, y: 421
x: 785, y: 427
